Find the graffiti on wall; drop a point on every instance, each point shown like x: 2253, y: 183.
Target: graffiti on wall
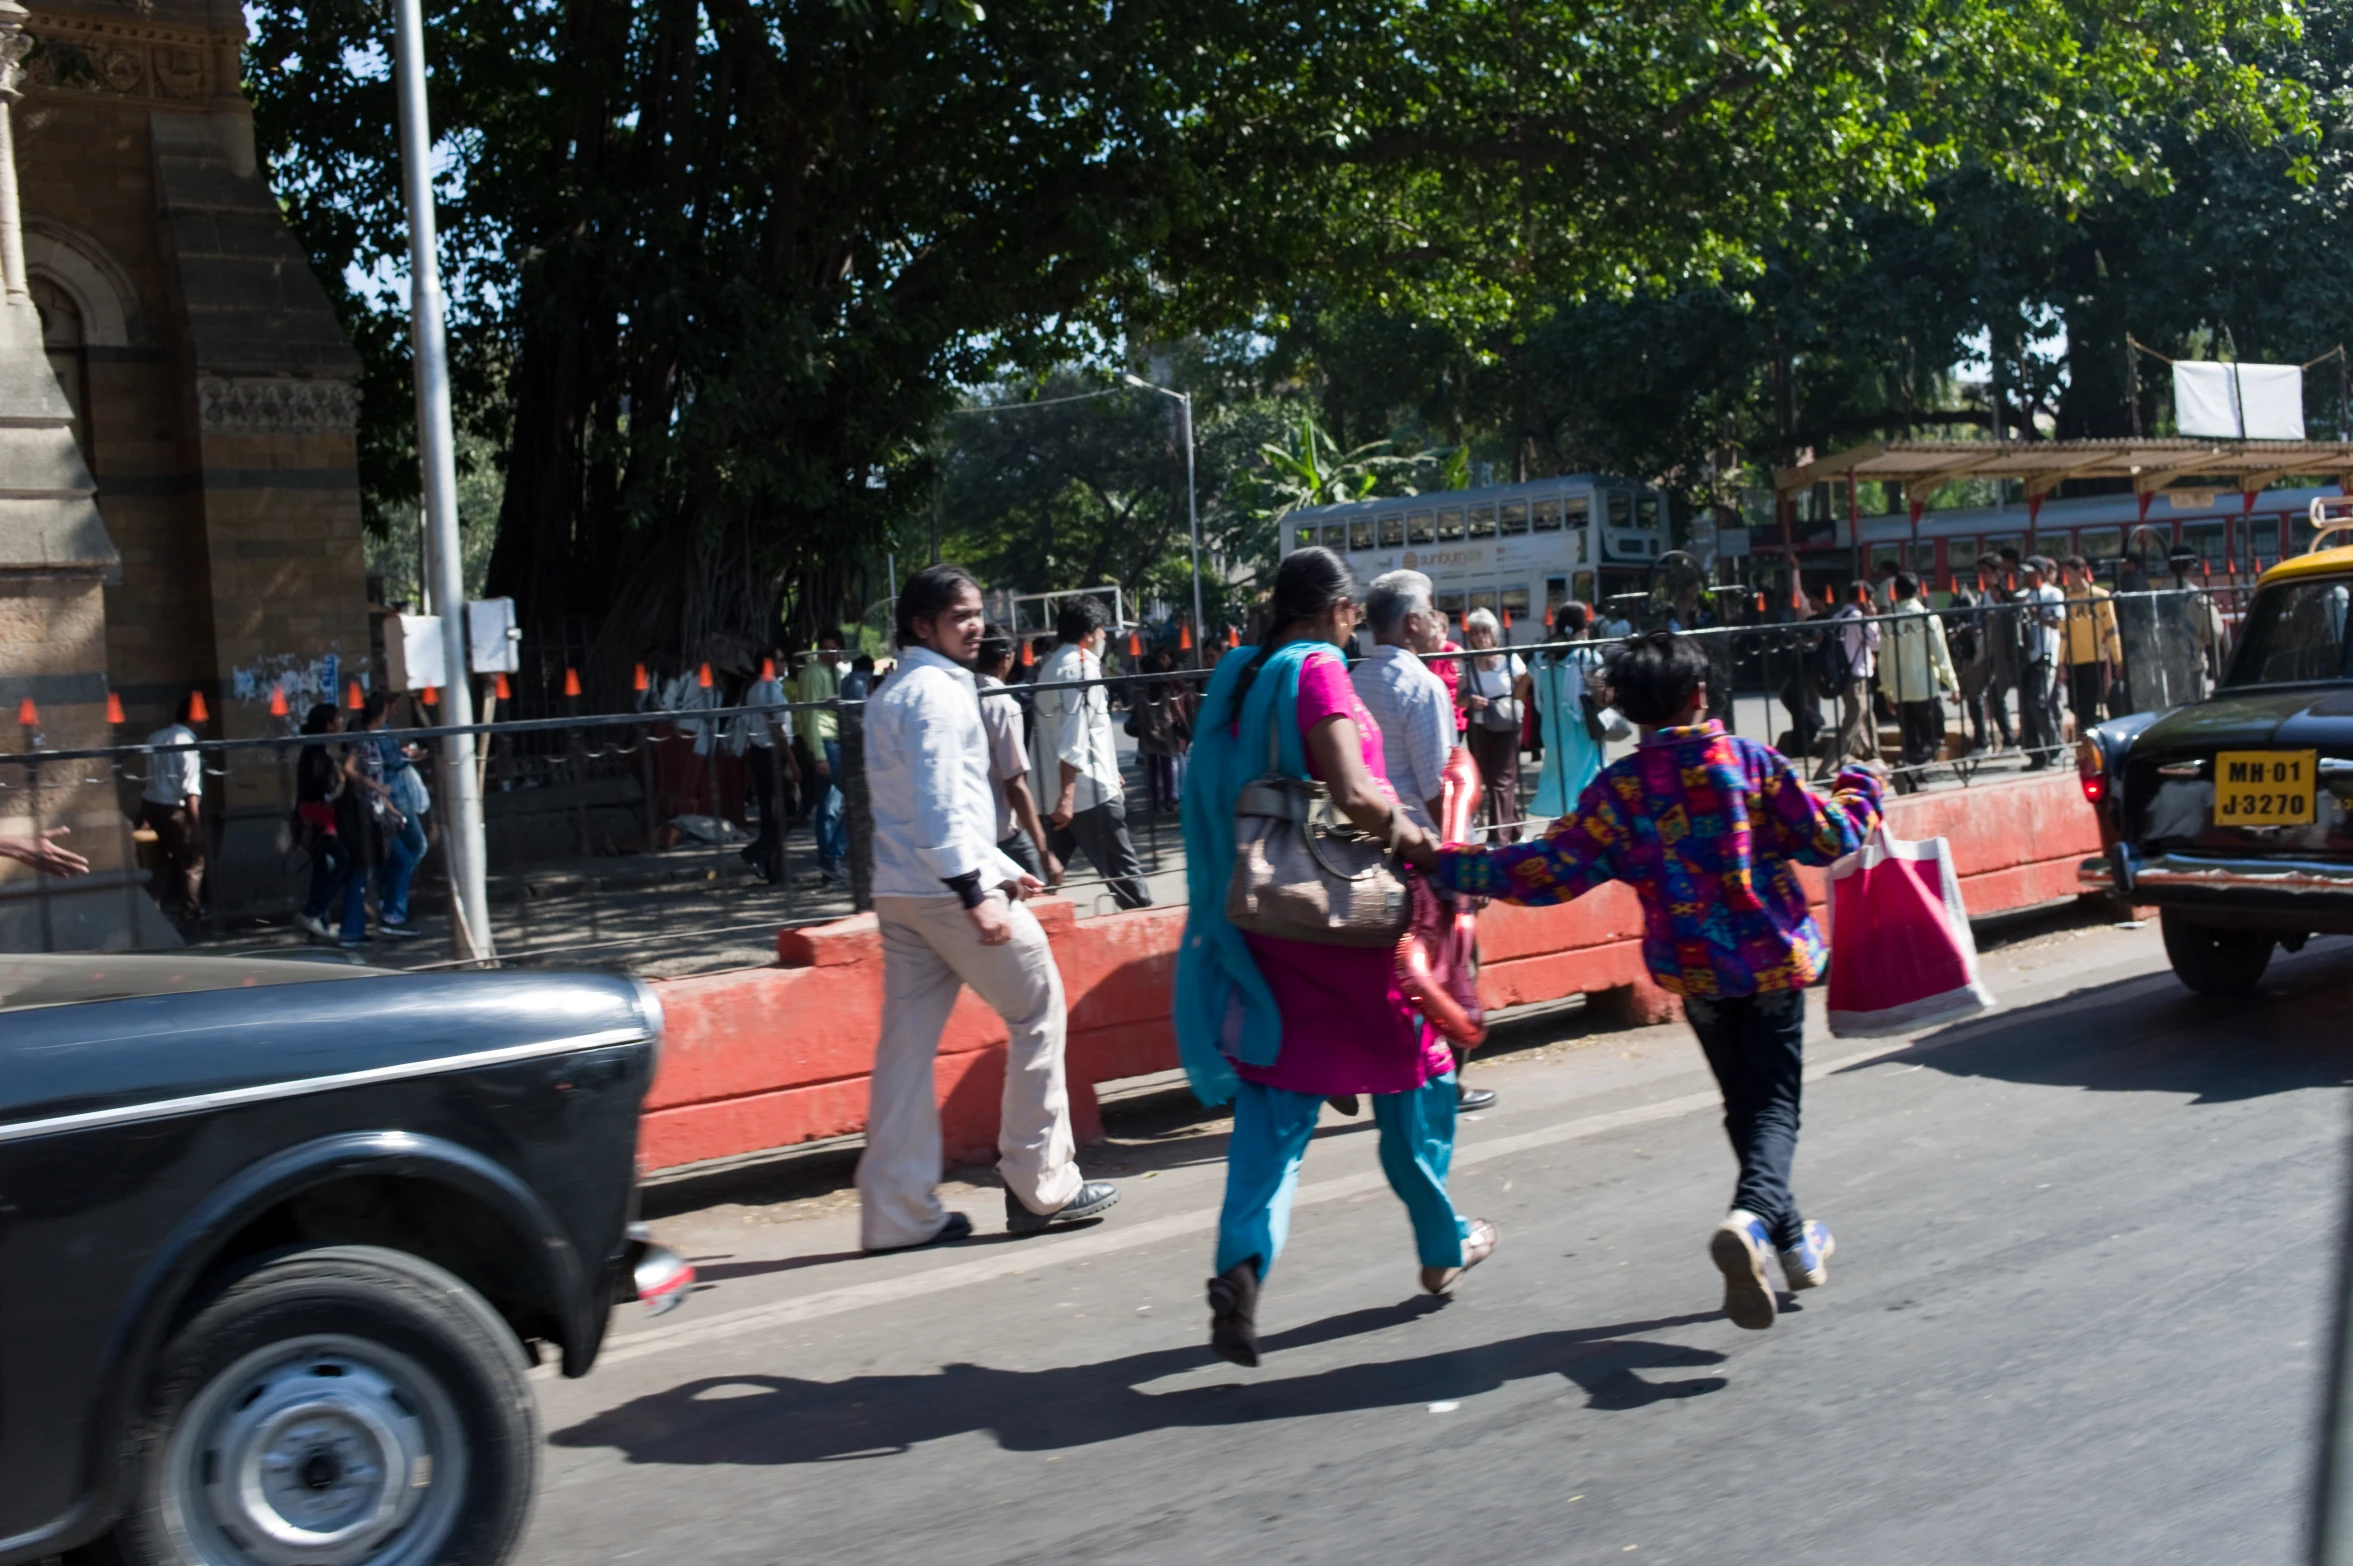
x: 304, y: 680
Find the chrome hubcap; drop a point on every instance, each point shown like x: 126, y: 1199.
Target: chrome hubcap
x: 316, y: 1452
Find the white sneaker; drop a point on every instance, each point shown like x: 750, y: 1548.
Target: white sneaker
x: 1740, y: 1248
x: 314, y: 926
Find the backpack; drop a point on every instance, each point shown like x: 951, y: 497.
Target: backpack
x: 1833, y: 669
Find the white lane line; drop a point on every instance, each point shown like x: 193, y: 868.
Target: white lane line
x: 1108, y: 1241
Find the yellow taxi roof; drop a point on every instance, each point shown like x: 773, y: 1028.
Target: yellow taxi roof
x: 2320, y: 562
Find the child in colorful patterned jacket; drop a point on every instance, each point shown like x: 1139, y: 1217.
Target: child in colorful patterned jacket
x: 1707, y: 828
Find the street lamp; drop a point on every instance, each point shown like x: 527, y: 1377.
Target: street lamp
x: 1184, y: 402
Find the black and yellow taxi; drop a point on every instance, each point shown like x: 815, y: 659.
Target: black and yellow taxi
x: 2233, y: 816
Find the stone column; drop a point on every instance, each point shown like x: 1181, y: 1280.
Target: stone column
x: 15, y: 44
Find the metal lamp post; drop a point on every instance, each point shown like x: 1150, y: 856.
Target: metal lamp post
x: 461, y: 791
x: 1184, y: 402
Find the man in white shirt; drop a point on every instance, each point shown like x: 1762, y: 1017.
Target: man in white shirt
x: 949, y: 906
x: 757, y: 737
x: 1076, y: 764
x: 172, y: 806
x: 2038, y: 701
x: 1021, y: 832
x: 1404, y: 697
x: 1853, y: 647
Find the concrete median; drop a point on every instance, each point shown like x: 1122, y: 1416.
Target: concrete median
x: 772, y: 1057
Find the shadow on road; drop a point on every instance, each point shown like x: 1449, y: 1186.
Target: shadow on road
x: 2147, y: 1034
x: 758, y: 1420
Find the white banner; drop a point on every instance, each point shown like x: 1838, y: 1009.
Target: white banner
x: 2239, y: 401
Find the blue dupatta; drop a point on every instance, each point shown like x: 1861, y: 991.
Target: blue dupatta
x: 1215, y: 974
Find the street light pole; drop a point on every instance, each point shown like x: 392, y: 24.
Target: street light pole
x: 461, y: 794
x: 1184, y: 402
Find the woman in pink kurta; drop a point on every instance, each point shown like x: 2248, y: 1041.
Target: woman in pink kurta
x: 1284, y: 1024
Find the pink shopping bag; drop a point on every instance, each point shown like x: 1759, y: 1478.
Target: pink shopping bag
x: 1901, y: 955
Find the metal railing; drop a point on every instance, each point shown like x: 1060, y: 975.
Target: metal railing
x: 623, y: 837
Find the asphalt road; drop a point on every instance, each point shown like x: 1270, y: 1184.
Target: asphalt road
x: 2076, y: 1315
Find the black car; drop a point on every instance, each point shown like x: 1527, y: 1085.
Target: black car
x: 2230, y: 815
x: 279, y: 1241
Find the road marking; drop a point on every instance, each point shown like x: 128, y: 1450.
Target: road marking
x: 1105, y: 1242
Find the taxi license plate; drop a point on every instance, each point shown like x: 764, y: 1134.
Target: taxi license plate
x: 2264, y: 787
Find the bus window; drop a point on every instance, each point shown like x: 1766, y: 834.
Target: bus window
x: 1482, y: 521
x: 1581, y: 588
x: 1960, y: 555
x: 2263, y: 540
x: 1450, y: 605
x: 1392, y: 529
x: 1335, y: 535
x: 2100, y: 543
x: 1991, y: 550
x: 1360, y: 534
x: 1548, y: 516
x: 2204, y: 539
x: 1924, y: 559
x: 1515, y: 518
x: 1484, y: 598
x: 1304, y: 537
x: 1418, y: 529
x: 1449, y: 524
x: 1515, y: 605
x: 1621, y: 508
x: 1646, y: 512
x: 1886, y: 560
x: 1575, y: 510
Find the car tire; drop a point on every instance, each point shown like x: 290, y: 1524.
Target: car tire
x: 316, y: 1380
x: 2213, y: 960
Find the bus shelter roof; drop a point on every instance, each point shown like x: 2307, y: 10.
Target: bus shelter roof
x: 1925, y: 466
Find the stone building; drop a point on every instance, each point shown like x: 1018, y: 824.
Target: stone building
x: 211, y: 398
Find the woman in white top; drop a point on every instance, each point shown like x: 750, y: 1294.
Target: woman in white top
x: 1494, y: 695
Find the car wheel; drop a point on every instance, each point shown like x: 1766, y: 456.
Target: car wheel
x: 2212, y: 960
x: 345, y: 1406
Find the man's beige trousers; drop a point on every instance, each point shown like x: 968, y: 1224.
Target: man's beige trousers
x: 930, y: 951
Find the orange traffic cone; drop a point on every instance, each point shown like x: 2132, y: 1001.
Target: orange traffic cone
x: 1233, y: 636
x: 1027, y: 656
x: 430, y: 696
x: 504, y: 694
x: 571, y: 682
x: 1184, y: 638
x: 1507, y: 619
x: 767, y: 668
x: 702, y: 676
x: 28, y: 714
x: 114, y: 708
x: 277, y: 701
x: 196, y: 712
x: 352, y: 698
x: 641, y: 680
x: 1135, y: 647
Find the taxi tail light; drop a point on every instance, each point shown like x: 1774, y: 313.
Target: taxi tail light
x: 2091, y: 771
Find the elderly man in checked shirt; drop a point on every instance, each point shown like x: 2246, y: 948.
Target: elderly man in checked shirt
x: 1708, y: 828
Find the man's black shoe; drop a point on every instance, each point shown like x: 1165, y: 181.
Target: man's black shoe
x: 958, y: 1227
x: 1470, y: 1100
x: 1096, y: 1196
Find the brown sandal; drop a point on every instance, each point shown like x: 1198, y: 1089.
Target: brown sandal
x: 1477, y: 1246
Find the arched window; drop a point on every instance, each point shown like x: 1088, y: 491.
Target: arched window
x: 65, y: 340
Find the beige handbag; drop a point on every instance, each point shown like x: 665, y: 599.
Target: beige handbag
x: 1304, y: 873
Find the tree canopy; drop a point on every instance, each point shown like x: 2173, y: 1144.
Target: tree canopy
x: 723, y: 266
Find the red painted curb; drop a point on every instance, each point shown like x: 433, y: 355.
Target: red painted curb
x: 771, y: 1057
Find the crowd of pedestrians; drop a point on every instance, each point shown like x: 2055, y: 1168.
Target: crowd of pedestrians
x: 1706, y: 828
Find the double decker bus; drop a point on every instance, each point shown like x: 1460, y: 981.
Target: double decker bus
x: 1516, y: 549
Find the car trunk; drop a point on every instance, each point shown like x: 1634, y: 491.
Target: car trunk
x: 2163, y: 807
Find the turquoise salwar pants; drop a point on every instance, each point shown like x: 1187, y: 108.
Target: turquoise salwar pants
x: 1271, y: 1131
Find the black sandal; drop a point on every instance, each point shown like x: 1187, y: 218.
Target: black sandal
x: 1233, y: 1313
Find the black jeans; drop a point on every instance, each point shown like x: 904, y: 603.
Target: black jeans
x: 1755, y: 1045
x: 766, y: 853
x: 1100, y: 833
x: 1923, y: 726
